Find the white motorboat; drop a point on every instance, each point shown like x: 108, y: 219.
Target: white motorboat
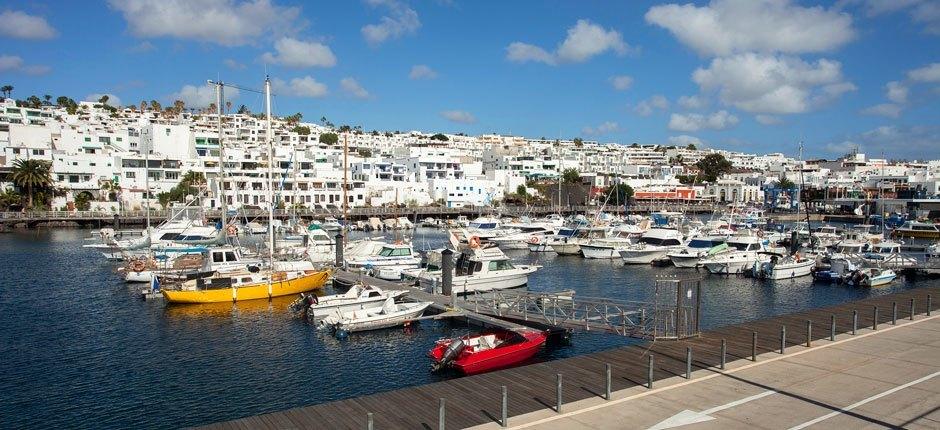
x: 571, y: 245
x: 388, y: 263
x: 477, y: 269
x: 525, y: 237
x: 358, y: 297
x: 691, y: 255
x: 872, y: 277
x: 609, y: 247
x: 331, y: 224
x: 743, y: 252
x: 255, y: 227
x: 653, y: 245
x: 390, y: 314
x: 888, y: 254
x: 791, y: 266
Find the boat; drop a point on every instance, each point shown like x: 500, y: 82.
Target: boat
x: 484, y: 352
x: 525, y: 236
x: 743, y: 252
x: 390, y: 314
x: 483, y: 268
x: 331, y: 224
x: 918, y: 230
x: 387, y: 263
x: 697, y: 249
x: 609, y: 247
x: 872, y: 277
x: 246, y: 285
x: 653, y: 245
x: 358, y: 297
x: 791, y: 266
x: 571, y: 245
x: 888, y: 254
x: 541, y: 244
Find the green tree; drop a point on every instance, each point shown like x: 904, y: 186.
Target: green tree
x: 302, y: 130
x: 365, y: 152
x: 440, y: 137
x: 155, y: 105
x: 329, y: 138
x: 32, y: 175
x: 47, y: 100
x: 83, y: 201
x: 178, y: 106
x: 571, y: 176
x: 345, y: 128
x: 190, y: 184
x: 634, y: 145
x: 691, y: 147
x: 578, y: 142
x: 104, y: 99
x: 785, y: 184
x: 713, y: 166
x: 33, y: 102
x: 522, y: 191
x: 621, y: 193
x: 10, y: 199
x: 243, y: 110
x: 7, y: 90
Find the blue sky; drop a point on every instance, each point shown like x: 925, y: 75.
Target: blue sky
x: 756, y: 76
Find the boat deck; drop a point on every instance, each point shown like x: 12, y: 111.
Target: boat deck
x: 475, y: 400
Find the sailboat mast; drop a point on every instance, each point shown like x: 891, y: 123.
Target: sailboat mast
x: 270, y: 138
x: 148, y: 141
x: 346, y: 182
x: 219, y: 95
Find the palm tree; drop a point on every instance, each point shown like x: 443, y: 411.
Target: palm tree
x: 48, y: 99
x: 7, y: 90
x: 228, y: 106
x: 31, y: 175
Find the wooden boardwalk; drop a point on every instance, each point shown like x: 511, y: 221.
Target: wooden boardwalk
x: 475, y: 400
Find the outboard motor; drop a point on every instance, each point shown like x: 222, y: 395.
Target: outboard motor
x: 450, y: 354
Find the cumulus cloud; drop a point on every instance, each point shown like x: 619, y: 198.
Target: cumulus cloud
x: 352, y: 87
x: 421, y: 71
x: 296, y: 53
x: 233, y: 64
x: 14, y: 63
x: 459, y: 116
x: 606, y: 127
x: 225, y: 22
x: 768, y: 119
x: 725, y: 27
x: 20, y: 25
x: 896, y: 92
x: 692, y: 102
x: 621, y: 82
x: 202, y: 95
x: 584, y: 40
x: 694, y: 122
x: 400, y: 21
x: 911, y: 142
x: 306, y: 86
x: 648, y: 106
x: 889, y: 110
x: 928, y: 73
x: 773, y: 84
x: 113, y: 100
x: 686, y: 140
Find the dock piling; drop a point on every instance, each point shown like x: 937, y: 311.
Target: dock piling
x: 504, y: 418
x: 607, y: 381
x: 809, y: 333
x: 754, y: 346
x: 369, y: 422
x: 688, y: 362
x: 441, y: 418
x: 339, y: 250
x: 832, y: 328
x: 912, y: 309
x: 928, y: 305
x: 558, y: 392
x: 854, y: 321
x: 783, y: 339
x: 894, y: 313
x: 649, y: 373
x: 874, y: 324
x: 724, y: 351
x: 447, y: 274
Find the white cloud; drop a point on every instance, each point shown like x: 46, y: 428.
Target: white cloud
x: 225, y: 22
x: 401, y: 20
x: 725, y: 27
x: 233, y: 64
x: 928, y: 73
x: 606, y: 127
x: 686, y: 140
x: 911, y: 142
x: 421, y: 71
x: 300, y: 54
x: 646, y: 107
x: 890, y: 110
x: 622, y: 82
x: 692, y: 102
x: 113, y: 100
x: 694, y: 122
x: 842, y: 148
x: 773, y: 84
x: 306, y: 86
x: 352, y: 87
x: 14, y: 63
x: 20, y: 25
x: 768, y: 119
x: 459, y: 116
x: 896, y: 92
x: 584, y: 40
x: 925, y: 12
x: 201, y: 96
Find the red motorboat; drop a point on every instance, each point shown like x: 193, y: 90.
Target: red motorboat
x: 486, y: 351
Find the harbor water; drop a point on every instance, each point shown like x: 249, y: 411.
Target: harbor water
x: 80, y: 350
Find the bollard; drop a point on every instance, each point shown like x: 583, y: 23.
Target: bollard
x: 688, y: 362
x: 504, y: 419
x: 754, y: 346
x: 649, y: 373
x: 832, y: 328
x: 440, y: 416
x: 369, y: 424
x: 724, y: 350
x: 809, y: 334
x: 783, y: 339
x: 928, y: 305
x: 894, y: 313
x: 912, y: 309
x: 854, y: 321
x: 447, y: 273
x: 874, y: 324
x: 607, y: 383
x: 558, y: 392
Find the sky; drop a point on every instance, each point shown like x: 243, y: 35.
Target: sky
x: 757, y: 76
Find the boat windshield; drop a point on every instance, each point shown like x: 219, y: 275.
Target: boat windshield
x: 659, y: 242
x: 394, y: 252
x: 500, y: 265
x: 739, y: 246
x: 483, y: 225
x: 703, y: 243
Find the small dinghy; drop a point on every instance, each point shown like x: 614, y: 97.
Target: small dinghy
x: 359, y: 297
x: 391, y: 314
x: 484, y: 352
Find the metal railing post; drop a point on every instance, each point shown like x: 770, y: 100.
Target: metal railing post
x: 688, y: 362
x: 369, y: 423
x: 928, y: 305
x: 912, y: 309
x: 783, y: 339
x: 754, y: 346
x: 874, y: 324
x: 854, y: 321
x: 832, y: 328
x: 504, y: 418
x: 809, y: 333
x: 724, y: 350
x: 649, y: 373
x: 558, y: 392
x: 607, y: 382
x: 894, y: 313
x: 441, y: 419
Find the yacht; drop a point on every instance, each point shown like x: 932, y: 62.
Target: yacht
x: 358, y: 297
x: 571, y: 245
x: 653, y: 245
x: 698, y: 248
x: 387, y: 263
x: 526, y: 236
x: 620, y: 237
x: 541, y: 244
x: 477, y: 269
x: 791, y: 266
x: 888, y: 254
x: 920, y: 230
x: 743, y: 252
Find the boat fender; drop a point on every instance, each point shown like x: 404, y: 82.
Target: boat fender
x: 232, y: 230
x: 534, y: 240
x: 452, y: 352
x: 474, y: 241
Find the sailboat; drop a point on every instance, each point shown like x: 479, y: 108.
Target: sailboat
x: 252, y: 285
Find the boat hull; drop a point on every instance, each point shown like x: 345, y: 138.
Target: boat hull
x: 249, y: 292
x: 642, y: 256
x: 566, y: 248
x: 687, y: 261
x: 599, y: 252
x: 790, y: 271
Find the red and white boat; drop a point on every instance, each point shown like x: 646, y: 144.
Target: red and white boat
x: 484, y: 352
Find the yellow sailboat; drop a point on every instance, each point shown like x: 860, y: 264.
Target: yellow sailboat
x: 237, y: 287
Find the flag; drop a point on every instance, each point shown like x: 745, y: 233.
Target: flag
x: 154, y: 283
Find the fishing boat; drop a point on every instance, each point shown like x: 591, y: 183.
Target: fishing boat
x: 359, y: 297
x: 484, y: 352
x: 872, y: 277
x: 653, y: 245
x: 390, y: 314
x: 791, y: 266
x: 240, y: 286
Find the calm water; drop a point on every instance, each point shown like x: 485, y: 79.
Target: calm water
x: 80, y: 350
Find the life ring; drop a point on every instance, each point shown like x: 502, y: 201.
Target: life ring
x: 534, y: 240
x: 232, y: 230
x: 760, y: 234
x: 474, y: 241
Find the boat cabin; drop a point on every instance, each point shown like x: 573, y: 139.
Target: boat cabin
x: 395, y: 251
x: 662, y: 237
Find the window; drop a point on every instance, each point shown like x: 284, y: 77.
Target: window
x: 217, y: 257
x: 230, y: 256
x: 130, y: 175
x: 500, y: 265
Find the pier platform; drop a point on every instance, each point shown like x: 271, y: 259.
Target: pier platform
x: 885, y: 326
